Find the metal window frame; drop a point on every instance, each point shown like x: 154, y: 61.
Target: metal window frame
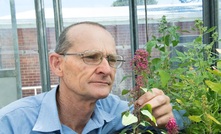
x: 58, y: 19
x: 17, y: 71
x: 42, y: 45
x: 210, y: 19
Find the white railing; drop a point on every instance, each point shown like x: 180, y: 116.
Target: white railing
x: 35, y: 88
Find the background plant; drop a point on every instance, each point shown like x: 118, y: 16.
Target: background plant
x: 192, y: 78
x: 138, y: 119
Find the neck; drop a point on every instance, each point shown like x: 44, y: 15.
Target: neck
x: 74, y: 112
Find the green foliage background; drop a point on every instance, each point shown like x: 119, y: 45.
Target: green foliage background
x: 192, y: 78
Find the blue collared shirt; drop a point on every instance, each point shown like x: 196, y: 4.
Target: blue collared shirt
x: 38, y: 114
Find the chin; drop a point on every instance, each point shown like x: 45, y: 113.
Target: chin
x: 100, y: 92
x: 103, y: 95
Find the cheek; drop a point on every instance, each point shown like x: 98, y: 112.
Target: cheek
x: 69, y: 75
x: 113, y: 75
x: 77, y: 75
x: 72, y: 72
x: 83, y: 75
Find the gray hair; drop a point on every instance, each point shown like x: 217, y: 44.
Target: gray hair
x: 64, y: 44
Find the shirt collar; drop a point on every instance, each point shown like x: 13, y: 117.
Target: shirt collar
x: 48, y: 119
x: 98, y: 119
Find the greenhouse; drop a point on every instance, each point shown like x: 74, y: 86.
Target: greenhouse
x: 180, y: 43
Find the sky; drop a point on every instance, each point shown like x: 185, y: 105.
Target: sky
x: 25, y: 5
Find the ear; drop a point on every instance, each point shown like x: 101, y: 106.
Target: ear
x: 55, y: 61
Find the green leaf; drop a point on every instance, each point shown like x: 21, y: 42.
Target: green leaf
x: 177, y: 95
x: 147, y: 111
x: 147, y: 107
x: 175, y: 42
x: 180, y: 54
x: 195, y: 118
x: 149, y: 115
x: 156, y: 61
x: 179, y: 85
x: 144, y: 89
x: 210, y: 30
x: 167, y: 40
x: 125, y: 91
x: 198, y: 40
x: 125, y: 77
x: 150, y: 45
x: 213, y: 119
x: 179, y: 101
x: 216, y: 87
x: 128, y: 119
x: 214, y: 71
x: 164, y: 77
x: 219, y: 65
x: 145, y: 123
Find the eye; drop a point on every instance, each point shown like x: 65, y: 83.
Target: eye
x: 112, y: 58
x: 95, y: 56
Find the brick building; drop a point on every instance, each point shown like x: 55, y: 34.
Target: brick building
x: 28, y: 46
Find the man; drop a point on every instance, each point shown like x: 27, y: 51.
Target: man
x: 85, y: 61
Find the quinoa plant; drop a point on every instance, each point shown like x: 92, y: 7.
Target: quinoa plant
x: 141, y: 118
x: 192, y: 78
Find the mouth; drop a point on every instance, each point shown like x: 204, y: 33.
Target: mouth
x: 101, y: 82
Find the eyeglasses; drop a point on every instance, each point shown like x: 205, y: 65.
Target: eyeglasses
x: 95, y: 58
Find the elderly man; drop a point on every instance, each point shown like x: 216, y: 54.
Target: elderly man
x: 85, y: 60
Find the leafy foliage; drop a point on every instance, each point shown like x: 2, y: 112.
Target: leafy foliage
x: 138, y: 118
x: 191, y: 78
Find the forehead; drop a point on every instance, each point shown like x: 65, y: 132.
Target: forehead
x: 91, y: 37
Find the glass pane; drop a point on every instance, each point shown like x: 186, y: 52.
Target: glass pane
x: 28, y: 46
x: 8, y: 90
x: 181, y: 13
x: 7, y: 60
x: 115, y: 18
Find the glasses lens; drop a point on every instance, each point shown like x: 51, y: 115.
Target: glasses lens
x: 115, y: 60
x: 92, y: 58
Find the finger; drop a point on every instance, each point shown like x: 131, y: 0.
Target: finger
x: 158, y: 101
x: 162, y: 110
x: 163, y: 120
x: 148, y: 96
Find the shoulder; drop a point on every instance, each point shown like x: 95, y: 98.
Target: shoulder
x: 23, y: 115
x: 22, y: 105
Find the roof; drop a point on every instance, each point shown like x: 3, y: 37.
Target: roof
x: 113, y: 15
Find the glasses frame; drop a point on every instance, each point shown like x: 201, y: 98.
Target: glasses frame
x: 82, y: 55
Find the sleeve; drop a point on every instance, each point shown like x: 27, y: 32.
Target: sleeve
x: 5, y: 127
x: 181, y: 120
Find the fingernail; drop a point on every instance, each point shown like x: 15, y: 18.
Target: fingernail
x: 139, y: 102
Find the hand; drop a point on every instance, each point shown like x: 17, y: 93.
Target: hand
x: 162, y: 109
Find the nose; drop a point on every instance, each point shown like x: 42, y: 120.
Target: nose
x: 104, y: 67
